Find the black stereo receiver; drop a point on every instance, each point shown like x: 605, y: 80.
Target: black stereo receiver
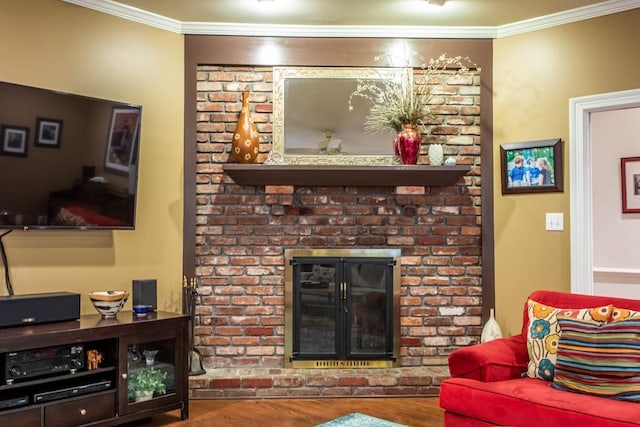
x: 43, y: 361
x: 72, y: 391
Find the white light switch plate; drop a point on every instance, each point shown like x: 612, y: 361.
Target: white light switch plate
x: 555, y: 222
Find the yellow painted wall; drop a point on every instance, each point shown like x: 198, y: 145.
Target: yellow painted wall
x: 55, y: 45
x: 535, y: 75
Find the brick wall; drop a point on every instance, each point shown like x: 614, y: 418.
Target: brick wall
x: 242, y: 231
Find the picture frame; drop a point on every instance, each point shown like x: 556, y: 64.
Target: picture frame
x: 630, y: 184
x: 532, y: 167
x: 14, y: 140
x: 48, y: 132
x: 122, y: 137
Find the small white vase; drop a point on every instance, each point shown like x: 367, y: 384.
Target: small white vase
x: 150, y: 356
x: 491, y: 329
x: 436, y: 154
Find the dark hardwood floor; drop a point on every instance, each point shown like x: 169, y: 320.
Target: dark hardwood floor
x: 411, y: 411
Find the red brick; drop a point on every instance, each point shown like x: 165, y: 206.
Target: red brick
x: 257, y: 382
x: 351, y: 381
x: 226, y: 383
x: 259, y: 331
x: 288, y: 382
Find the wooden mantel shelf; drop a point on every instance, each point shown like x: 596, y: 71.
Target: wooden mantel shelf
x: 345, y: 175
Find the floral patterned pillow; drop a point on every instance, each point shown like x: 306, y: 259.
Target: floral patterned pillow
x: 619, y: 314
x: 543, y: 334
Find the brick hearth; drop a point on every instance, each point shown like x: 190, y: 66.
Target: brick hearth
x: 274, y: 382
x: 242, y: 232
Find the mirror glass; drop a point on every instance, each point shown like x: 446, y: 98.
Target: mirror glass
x: 312, y: 123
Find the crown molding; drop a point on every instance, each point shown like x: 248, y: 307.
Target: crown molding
x: 574, y: 15
x: 345, y: 31
x: 113, y: 7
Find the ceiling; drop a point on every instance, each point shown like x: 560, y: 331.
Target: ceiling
x: 476, y: 18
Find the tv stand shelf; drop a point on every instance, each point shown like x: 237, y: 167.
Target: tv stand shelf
x: 30, y: 394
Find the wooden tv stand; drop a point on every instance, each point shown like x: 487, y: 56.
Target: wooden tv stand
x: 47, y: 380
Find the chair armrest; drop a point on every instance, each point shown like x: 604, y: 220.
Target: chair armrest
x: 497, y: 360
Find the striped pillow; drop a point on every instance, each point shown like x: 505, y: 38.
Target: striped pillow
x: 599, y: 359
x: 543, y: 333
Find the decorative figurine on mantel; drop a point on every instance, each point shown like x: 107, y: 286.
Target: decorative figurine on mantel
x: 436, y: 154
x: 246, y: 144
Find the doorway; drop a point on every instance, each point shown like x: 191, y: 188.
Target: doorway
x: 583, y: 267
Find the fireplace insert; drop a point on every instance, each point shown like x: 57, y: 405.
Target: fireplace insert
x: 342, y: 308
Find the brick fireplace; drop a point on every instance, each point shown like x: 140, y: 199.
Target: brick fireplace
x: 242, y: 233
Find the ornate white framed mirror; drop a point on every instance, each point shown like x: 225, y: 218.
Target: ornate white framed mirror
x: 312, y: 123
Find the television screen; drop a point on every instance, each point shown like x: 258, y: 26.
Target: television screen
x: 67, y: 161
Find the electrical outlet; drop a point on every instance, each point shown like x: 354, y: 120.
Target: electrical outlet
x: 555, y: 222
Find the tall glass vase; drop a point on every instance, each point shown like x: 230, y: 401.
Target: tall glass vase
x: 245, y: 145
x: 408, y: 142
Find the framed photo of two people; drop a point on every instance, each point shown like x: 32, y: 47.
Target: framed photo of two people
x: 532, y: 167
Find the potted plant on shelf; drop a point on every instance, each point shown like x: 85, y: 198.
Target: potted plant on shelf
x: 143, y: 384
x: 403, y: 105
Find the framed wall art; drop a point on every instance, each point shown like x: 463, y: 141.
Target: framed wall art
x: 123, y: 134
x: 48, y: 132
x: 14, y: 140
x: 531, y: 167
x: 630, y: 180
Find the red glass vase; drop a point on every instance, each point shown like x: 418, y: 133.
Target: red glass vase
x: 409, y: 140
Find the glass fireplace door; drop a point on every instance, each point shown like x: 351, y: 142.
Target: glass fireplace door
x: 342, y: 308
x: 370, y: 298
x: 317, y: 308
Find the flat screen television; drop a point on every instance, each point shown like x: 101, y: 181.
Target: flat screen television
x: 67, y: 161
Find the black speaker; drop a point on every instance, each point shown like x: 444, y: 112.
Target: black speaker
x: 145, y: 293
x: 29, y: 309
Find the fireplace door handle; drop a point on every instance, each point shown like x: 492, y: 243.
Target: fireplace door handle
x: 343, y: 296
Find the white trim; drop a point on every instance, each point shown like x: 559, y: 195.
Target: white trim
x: 345, y: 31
x: 582, y: 268
x: 113, y: 7
x: 573, y: 15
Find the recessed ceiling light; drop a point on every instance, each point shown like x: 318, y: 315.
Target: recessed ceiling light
x: 436, y: 2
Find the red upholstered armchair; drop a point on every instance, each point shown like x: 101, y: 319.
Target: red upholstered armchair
x: 489, y: 385
x: 499, y: 360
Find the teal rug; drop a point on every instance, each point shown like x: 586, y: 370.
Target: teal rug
x: 359, y: 420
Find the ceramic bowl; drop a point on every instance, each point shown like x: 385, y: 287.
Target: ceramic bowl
x: 108, y: 303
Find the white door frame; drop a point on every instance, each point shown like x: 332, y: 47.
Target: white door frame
x: 580, y: 180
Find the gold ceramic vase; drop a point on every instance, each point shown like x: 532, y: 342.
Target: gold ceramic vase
x: 246, y: 144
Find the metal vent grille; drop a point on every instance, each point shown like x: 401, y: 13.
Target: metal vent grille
x: 342, y: 364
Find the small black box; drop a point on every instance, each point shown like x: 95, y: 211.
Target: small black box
x: 145, y: 293
x: 18, y: 310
